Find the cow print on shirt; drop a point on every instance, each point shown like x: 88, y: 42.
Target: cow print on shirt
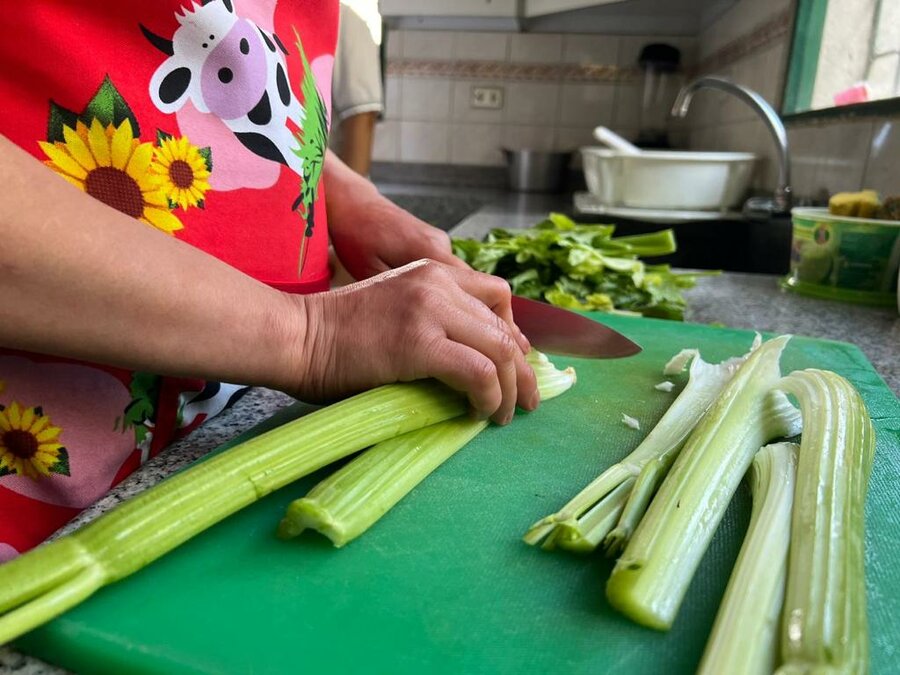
x: 228, y: 66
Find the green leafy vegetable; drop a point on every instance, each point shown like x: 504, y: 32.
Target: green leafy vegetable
x: 583, y: 267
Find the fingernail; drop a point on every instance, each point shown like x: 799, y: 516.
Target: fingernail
x: 478, y: 415
x: 535, y: 400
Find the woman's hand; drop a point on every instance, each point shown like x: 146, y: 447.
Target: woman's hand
x: 370, y: 233
x: 425, y: 319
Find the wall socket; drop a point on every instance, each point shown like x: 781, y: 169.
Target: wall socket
x: 486, y: 97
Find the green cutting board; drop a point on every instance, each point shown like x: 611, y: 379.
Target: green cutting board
x: 443, y: 583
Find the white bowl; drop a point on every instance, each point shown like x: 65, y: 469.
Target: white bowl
x: 662, y: 179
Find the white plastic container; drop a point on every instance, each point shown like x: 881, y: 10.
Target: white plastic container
x: 662, y: 179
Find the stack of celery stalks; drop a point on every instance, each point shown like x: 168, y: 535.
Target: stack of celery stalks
x: 656, y: 510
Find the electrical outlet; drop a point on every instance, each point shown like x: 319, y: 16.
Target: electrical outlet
x: 486, y: 97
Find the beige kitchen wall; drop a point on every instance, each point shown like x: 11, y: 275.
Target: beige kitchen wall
x: 556, y: 89
x: 750, y: 43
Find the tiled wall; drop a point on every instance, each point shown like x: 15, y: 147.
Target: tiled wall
x: 751, y: 43
x: 557, y: 88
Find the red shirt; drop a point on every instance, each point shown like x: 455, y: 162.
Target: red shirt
x: 207, y: 121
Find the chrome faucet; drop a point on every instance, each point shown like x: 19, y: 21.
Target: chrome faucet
x: 781, y: 200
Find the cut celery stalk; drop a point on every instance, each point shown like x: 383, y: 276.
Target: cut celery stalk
x: 824, y: 626
x: 350, y: 501
x: 651, y: 577
x: 43, y: 583
x: 601, y: 506
x: 347, y: 503
x: 744, y: 638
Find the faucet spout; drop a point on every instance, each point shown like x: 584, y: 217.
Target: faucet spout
x: 782, y: 196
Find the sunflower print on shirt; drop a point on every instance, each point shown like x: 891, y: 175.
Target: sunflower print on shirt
x: 30, y: 444
x: 100, y: 152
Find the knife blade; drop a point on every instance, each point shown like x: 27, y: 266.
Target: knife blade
x: 559, y: 331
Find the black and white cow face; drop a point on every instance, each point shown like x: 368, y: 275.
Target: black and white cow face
x: 227, y: 66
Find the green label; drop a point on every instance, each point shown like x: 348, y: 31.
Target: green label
x: 853, y: 256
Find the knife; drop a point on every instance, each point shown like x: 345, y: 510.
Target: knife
x: 559, y: 331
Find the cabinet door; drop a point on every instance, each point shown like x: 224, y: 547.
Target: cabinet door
x: 468, y: 8
x: 541, y: 7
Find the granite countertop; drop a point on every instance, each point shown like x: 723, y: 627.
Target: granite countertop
x: 737, y: 300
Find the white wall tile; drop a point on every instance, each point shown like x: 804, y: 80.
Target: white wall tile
x: 597, y: 49
x: 883, y: 168
x: 424, y: 142
x: 463, y: 110
x: 586, y: 105
x: 803, y: 143
x: 532, y: 137
x: 573, y: 139
x: 393, y: 44
x: 386, y: 144
x: 428, y: 44
x: 627, y: 105
x: 535, y: 48
x: 481, y: 46
x: 704, y: 139
x: 393, y: 90
x: 425, y: 99
x: 531, y: 103
x: 476, y: 144
x: 829, y: 158
x: 845, y: 149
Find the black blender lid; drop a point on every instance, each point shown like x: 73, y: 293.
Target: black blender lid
x: 660, y: 56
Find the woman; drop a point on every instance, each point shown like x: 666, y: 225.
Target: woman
x: 176, y: 238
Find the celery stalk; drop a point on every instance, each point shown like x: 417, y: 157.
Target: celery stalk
x: 619, y: 496
x: 824, y: 619
x: 752, y: 603
x: 43, y: 583
x: 651, y: 577
x: 347, y: 503
x: 350, y: 501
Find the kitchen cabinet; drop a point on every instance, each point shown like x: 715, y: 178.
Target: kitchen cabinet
x: 657, y: 17
x: 484, y: 8
x: 543, y: 7
x: 457, y: 8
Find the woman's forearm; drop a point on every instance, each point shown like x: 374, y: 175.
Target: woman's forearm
x: 80, y: 279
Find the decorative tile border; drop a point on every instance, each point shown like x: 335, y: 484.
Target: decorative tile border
x: 501, y: 70
x: 753, y: 41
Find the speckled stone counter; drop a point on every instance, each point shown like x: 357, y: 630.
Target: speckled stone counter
x: 737, y: 300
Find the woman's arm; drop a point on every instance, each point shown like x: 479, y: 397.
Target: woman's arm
x: 80, y: 279
x: 370, y: 233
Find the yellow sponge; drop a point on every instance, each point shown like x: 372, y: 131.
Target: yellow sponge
x: 863, y: 204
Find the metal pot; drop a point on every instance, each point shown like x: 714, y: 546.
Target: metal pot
x: 536, y: 170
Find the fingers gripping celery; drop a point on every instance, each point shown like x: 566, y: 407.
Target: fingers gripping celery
x: 347, y: 503
x: 744, y: 638
x: 619, y: 496
x: 824, y: 618
x: 43, y: 583
x: 651, y: 577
